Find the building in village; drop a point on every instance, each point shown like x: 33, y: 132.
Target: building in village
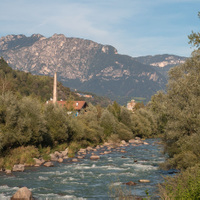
x: 72, y: 106
x: 130, y: 105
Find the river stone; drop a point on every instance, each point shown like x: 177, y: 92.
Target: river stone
x: 48, y: 164
x: 38, y: 162
x: 144, y: 181
x: 58, y: 154
x: 74, y: 160
x: 131, y: 183
x: 8, y: 171
x: 89, y: 148
x: 94, y: 157
x: 60, y: 160
x: 53, y: 157
x: 80, y: 157
x: 18, y: 168
x: 123, y: 142
x: 23, y: 193
x: 131, y: 141
x: 65, y: 152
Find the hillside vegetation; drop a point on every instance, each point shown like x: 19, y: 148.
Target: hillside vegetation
x: 26, y: 84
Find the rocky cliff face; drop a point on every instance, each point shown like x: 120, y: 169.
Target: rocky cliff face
x: 162, y: 63
x: 82, y: 64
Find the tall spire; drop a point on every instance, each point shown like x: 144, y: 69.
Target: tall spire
x: 55, y: 88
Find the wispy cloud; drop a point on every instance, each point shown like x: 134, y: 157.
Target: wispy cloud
x: 132, y: 26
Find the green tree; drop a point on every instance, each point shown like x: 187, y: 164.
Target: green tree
x: 57, y: 123
x: 108, y: 122
x: 195, y: 37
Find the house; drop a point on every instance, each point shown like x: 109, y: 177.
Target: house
x: 130, y: 105
x: 72, y: 106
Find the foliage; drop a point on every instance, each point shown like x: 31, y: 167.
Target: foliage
x: 183, y: 186
x: 26, y: 84
x: 20, y: 155
x: 57, y: 124
x: 195, y: 37
x: 143, y: 123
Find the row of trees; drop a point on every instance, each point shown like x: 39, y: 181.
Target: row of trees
x: 177, y: 115
x: 26, y: 121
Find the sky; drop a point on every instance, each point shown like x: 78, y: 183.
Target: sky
x: 133, y: 27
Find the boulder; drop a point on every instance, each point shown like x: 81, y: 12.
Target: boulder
x: 48, y: 164
x: 89, y: 148
x: 123, y: 142
x: 107, y: 152
x: 58, y: 154
x: 23, y: 193
x: 131, y: 183
x: 94, y: 157
x: 38, y: 162
x: 131, y: 141
x: 65, y: 152
x: 80, y: 157
x: 82, y: 150
x: 74, y: 160
x: 60, y: 160
x: 18, y: 168
x: 144, y: 181
x: 53, y: 157
x: 8, y: 171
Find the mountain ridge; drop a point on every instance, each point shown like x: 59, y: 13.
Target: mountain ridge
x: 83, y: 65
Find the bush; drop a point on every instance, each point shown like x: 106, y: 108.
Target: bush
x: 20, y: 155
x: 183, y: 186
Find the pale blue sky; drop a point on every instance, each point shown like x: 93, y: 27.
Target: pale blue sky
x: 133, y: 27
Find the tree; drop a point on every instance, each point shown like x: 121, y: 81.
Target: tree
x: 195, y: 37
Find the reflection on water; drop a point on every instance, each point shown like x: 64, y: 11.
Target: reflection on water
x: 89, y: 179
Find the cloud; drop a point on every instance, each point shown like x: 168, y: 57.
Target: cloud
x: 125, y: 24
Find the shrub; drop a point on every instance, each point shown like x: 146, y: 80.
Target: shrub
x: 20, y: 155
x: 183, y: 186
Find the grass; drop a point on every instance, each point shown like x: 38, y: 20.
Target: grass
x: 20, y: 155
x: 185, y: 186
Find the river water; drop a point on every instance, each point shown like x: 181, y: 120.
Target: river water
x: 89, y: 179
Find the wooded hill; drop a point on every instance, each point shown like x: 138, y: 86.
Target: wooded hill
x: 26, y: 84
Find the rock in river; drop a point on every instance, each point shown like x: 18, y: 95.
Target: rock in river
x: 94, y: 157
x: 48, y: 164
x: 23, y: 193
x: 18, y: 168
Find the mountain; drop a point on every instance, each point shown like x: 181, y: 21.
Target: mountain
x: 162, y: 63
x: 83, y: 65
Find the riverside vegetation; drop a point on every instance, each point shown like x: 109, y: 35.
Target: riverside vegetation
x: 29, y: 128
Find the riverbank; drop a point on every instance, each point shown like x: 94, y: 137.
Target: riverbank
x: 93, y: 179
x: 60, y: 156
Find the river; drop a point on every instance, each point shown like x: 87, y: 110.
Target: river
x: 88, y: 179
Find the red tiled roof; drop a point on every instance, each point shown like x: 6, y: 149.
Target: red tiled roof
x: 73, y: 105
